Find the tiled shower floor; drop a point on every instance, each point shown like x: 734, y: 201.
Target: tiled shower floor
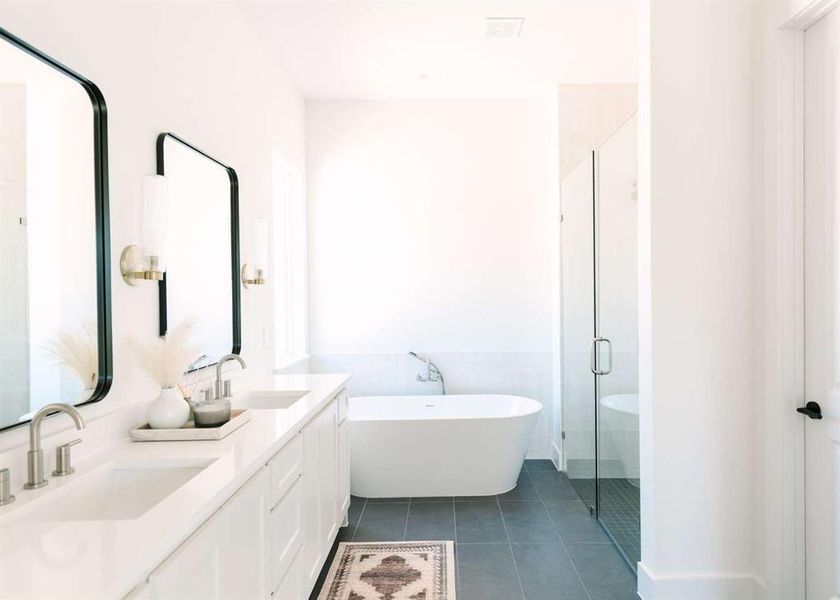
x: 619, y: 512
x: 536, y: 542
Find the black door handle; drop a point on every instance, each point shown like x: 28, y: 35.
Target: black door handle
x: 811, y: 410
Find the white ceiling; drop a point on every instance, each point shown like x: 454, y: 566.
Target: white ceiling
x: 438, y: 48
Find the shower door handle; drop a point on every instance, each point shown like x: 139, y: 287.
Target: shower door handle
x: 593, y: 348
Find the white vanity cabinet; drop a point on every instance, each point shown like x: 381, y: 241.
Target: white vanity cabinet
x: 225, y: 558
x: 271, y: 538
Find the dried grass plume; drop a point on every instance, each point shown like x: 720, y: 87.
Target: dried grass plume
x: 167, y: 358
x: 78, y: 350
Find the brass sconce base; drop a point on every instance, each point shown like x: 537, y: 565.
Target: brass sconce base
x: 249, y: 281
x: 131, y: 266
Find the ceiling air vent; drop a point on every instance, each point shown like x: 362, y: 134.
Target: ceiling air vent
x: 503, y: 27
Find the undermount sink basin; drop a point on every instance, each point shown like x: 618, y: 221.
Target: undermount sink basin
x: 121, y: 491
x: 274, y: 400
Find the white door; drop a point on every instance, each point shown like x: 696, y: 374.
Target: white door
x: 822, y: 308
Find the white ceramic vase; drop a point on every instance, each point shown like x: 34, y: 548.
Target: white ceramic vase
x: 169, y: 411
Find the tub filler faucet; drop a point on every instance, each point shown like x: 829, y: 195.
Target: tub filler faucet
x: 433, y: 373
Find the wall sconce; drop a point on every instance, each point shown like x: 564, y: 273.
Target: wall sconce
x: 257, y: 273
x: 145, y: 262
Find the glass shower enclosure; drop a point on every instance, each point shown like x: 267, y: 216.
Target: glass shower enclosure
x: 600, y: 337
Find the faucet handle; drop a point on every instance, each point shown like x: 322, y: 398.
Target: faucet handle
x: 5, y: 488
x: 62, y: 459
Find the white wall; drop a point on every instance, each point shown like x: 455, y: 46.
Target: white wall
x: 166, y: 67
x: 428, y: 225
x: 430, y: 228
x: 589, y: 113
x: 698, y: 324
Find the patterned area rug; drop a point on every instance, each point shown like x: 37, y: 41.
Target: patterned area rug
x: 391, y: 571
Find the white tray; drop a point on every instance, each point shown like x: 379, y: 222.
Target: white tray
x: 189, y: 432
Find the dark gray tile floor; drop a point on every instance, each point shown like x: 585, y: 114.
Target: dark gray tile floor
x: 536, y: 542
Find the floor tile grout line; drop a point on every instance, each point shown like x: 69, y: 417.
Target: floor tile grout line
x: 562, y: 542
x: 455, y: 550
x: 516, y: 568
x: 359, y: 522
x: 407, y: 517
x: 454, y: 523
x: 539, y: 542
x: 510, y: 547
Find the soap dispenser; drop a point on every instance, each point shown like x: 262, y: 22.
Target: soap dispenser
x: 212, y: 412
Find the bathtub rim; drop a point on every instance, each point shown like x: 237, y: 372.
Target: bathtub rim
x: 537, y: 405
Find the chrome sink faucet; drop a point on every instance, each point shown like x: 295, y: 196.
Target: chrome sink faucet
x: 35, y: 456
x: 220, y: 391
x: 432, y: 371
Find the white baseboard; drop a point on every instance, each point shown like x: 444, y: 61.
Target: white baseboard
x: 556, y: 457
x: 695, y: 587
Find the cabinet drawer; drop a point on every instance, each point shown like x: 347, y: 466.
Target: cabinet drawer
x: 292, y: 583
x: 285, y: 525
x: 342, y: 400
x: 286, y: 466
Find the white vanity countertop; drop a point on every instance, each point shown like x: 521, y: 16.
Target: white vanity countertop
x: 107, y: 559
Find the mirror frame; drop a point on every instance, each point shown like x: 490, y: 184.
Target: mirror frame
x: 103, y: 236
x: 234, y: 245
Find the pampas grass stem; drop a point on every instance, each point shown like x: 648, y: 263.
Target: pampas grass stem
x: 78, y: 350
x: 167, y: 358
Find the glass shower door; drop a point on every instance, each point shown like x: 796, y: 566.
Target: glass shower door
x: 578, y: 285
x: 616, y: 357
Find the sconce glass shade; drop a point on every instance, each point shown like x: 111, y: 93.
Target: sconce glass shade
x: 256, y: 272
x: 155, y: 222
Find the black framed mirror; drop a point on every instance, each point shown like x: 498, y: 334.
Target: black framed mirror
x: 55, y: 287
x: 202, y: 278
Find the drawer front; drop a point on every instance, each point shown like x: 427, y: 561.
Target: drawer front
x: 286, y: 467
x: 285, y: 525
x: 292, y: 584
x: 342, y: 399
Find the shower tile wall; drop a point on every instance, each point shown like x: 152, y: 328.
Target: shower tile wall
x: 521, y: 373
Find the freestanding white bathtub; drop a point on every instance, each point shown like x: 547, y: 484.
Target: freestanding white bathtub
x: 423, y: 446
x: 621, y: 415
